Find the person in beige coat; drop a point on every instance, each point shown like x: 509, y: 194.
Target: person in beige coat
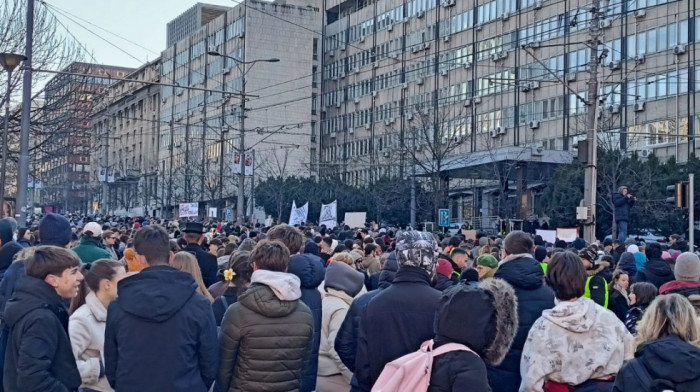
x: 342, y: 284
x: 86, y: 326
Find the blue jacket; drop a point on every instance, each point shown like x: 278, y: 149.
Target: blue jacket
x: 622, y: 207
x: 311, y: 271
x: 160, y: 334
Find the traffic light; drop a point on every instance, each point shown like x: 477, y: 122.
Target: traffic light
x: 679, y: 192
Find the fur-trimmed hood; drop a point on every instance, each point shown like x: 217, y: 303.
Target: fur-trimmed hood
x: 492, y: 308
x: 600, y: 267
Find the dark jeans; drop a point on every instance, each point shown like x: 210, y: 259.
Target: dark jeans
x: 622, y: 231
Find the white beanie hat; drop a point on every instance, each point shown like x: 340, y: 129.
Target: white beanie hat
x: 687, y: 267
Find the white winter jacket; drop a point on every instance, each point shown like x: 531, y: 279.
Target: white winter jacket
x: 573, y: 343
x: 87, y: 337
x: 335, y: 307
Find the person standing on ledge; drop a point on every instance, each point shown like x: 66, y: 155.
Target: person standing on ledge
x: 623, y: 201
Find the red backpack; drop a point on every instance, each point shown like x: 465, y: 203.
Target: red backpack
x: 411, y: 373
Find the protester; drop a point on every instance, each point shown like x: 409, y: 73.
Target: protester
x: 619, y: 301
x: 193, y: 236
x: 8, y: 247
x: 641, y: 295
x: 493, y: 321
x: 236, y: 281
x: 522, y: 272
x: 160, y: 333
x: 370, y: 262
x: 541, y: 257
x: 311, y: 271
x: 267, y: 336
x: 577, y: 342
x: 109, y: 239
x: 668, y: 349
x: 86, y: 327
x: 628, y: 264
x: 186, y: 262
x: 443, y: 275
x: 24, y: 237
x: 39, y: 355
x: 656, y: 271
x: 486, y: 265
x: 687, y: 274
x: 342, y: 284
x: 623, y: 202
x: 90, y: 248
x: 409, y: 301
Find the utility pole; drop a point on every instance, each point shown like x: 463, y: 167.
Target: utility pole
x: 591, y: 171
x: 23, y: 169
x: 691, y: 211
x: 105, y: 184
x: 224, y: 130
x: 413, y: 182
x: 240, y: 208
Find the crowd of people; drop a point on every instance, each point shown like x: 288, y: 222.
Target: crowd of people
x: 147, y: 305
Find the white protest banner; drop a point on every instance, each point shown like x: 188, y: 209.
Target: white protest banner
x: 355, y: 219
x: 292, y: 216
x: 212, y: 212
x: 110, y: 175
x: 299, y: 215
x: 248, y: 164
x: 188, y: 210
x: 547, y: 235
x: 102, y: 174
x: 329, y: 215
x: 567, y: 235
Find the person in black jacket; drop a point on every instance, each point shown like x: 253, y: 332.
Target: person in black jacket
x: 523, y: 272
x: 668, y: 354
x: 207, y: 262
x: 160, y: 333
x: 400, y: 317
x: 8, y: 247
x: 39, y: 356
x: 623, y: 202
x: 311, y: 271
x: 619, y: 301
x: 656, y: 271
x: 491, y: 310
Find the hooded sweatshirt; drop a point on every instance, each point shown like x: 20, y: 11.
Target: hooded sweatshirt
x: 572, y: 343
x: 160, y: 334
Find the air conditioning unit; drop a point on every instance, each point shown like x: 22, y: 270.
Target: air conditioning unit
x: 640, y: 58
x: 409, y: 116
x: 640, y: 13
x: 342, y: 48
x: 394, y: 56
x: 501, y: 130
x: 646, y: 152
x: 525, y: 87
x: 387, y: 122
x: 357, y: 101
x: 415, y: 49
x: 357, y: 70
x: 201, y: 109
x: 375, y: 93
x: 467, y: 65
x: 639, y: 106
x: 467, y: 102
x: 192, y: 113
x: 390, y: 27
x: 476, y: 100
x: 331, y: 53
x: 538, y: 4
x: 535, y: 85
x: 426, y: 45
x: 241, y: 35
x: 376, y: 64
x: 444, y: 72
x: 534, y: 44
x: 333, y: 135
x: 368, y: 126
x: 614, y: 109
x: 571, y: 77
x: 362, y: 39
x: 448, y: 3
x: 227, y: 70
x: 386, y: 154
x: 604, y: 23
x: 351, y: 130
x: 420, y: 14
x: 446, y: 38
x: 534, y: 124
x: 164, y: 100
x: 494, y: 133
x: 615, y: 65
x: 505, y: 16
x: 679, y: 49
x: 405, y: 85
x: 419, y: 81
x: 338, y: 105
x: 494, y: 57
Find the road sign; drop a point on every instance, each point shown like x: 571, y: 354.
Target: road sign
x: 444, y: 218
x: 228, y: 213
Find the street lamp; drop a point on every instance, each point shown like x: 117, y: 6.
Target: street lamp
x: 241, y: 148
x: 8, y: 61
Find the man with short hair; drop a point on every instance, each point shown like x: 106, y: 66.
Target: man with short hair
x: 267, y: 335
x: 370, y: 262
x: 90, y: 248
x: 160, y: 333
x: 109, y: 239
x: 39, y: 356
x: 193, y: 235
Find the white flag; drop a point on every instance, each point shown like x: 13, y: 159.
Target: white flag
x: 110, y: 175
x: 292, y: 217
x: 298, y: 215
x: 329, y: 215
x: 102, y: 174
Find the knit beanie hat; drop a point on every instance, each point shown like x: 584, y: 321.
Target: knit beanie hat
x: 444, y: 268
x: 487, y: 260
x: 540, y: 253
x: 588, y: 254
x: 687, y: 267
x: 417, y: 249
x: 54, y: 229
x: 341, y: 276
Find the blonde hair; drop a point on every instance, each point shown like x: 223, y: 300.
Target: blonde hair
x: 186, y: 262
x: 670, y: 314
x: 345, y: 258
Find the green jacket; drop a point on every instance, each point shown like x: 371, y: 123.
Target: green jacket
x: 89, y: 250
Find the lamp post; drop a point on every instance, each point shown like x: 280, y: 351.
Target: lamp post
x: 241, y: 65
x: 8, y: 61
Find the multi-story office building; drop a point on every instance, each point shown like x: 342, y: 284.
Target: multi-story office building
x: 192, y: 20
x: 489, y: 96
x: 61, y: 151
x: 201, y: 114
x: 124, y: 162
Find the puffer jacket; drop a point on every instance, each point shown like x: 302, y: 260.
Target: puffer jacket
x: 335, y: 307
x: 573, y: 343
x: 656, y: 272
x: 86, y: 329
x: 668, y: 358
x: 526, y: 276
x: 266, y: 337
x: 311, y: 271
x: 90, y: 250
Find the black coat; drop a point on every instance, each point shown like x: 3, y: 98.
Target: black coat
x: 622, y: 207
x: 311, y: 271
x: 395, y: 323
x: 207, y: 263
x: 618, y: 304
x: 668, y: 358
x: 656, y: 272
x: 527, y: 278
x: 160, y: 334
x: 39, y: 356
x: 458, y: 371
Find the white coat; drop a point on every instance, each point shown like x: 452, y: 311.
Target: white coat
x: 87, y: 337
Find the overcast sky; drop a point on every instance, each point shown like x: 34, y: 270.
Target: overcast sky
x: 140, y: 21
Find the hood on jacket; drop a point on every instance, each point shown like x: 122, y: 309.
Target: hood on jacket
x: 286, y: 286
x: 640, y: 260
x: 491, y: 307
x: 670, y: 358
x: 598, y: 268
x: 578, y: 316
x: 156, y: 293
x: 91, y: 241
x: 31, y: 293
x: 308, y: 268
x: 682, y: 287
x: 391, y: 266
x: 627, y: 263
x: 265, y: 293
x: 5, y: 231
x: 8, y: 252
x: 659, y: 268
x: 524, y: 272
